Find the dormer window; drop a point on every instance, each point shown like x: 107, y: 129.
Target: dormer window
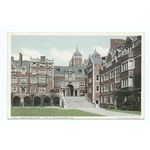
x: 23, y: 70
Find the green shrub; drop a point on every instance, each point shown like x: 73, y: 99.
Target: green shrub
x: 130, y: 101
x: 138, y: 105
x: 111, y: 107
x: 124, y: 107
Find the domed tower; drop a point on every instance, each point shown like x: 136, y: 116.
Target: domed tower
x: 77, y: 59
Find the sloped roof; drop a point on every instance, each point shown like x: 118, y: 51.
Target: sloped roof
x: 64, y: 68
x: 24, y: 63
x: 133, y: 38
x: 96, y: 60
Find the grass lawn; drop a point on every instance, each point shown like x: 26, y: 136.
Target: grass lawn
x: 126, y: 111
x: 49, y: 112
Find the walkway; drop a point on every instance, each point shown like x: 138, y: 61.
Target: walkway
x: 103, y: 112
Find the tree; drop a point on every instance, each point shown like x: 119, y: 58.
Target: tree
x: 32, y: 99
x: 12, y: 96
x: 52, y: 96
x: 42, y: 100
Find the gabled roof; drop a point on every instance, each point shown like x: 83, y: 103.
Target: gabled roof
x: 77, y: 53
x: 96, y: 60
x: 133, y: 38
x: 24, y: 63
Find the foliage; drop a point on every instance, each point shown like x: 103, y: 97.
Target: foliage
x: 12, y: 95
x: 138, y: 105
x: 131, y: 100
x: 42, y: 100
x: 137, y: 79
x: 32, y: 99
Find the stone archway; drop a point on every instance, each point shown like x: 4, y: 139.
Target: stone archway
x: 70, y: 90
x: 37, y: 101
x: 56, y: 101
x: 46, y: 101
x: 26, y: 101
x: 16, y: 101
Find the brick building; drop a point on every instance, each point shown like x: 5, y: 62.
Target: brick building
x: 117, y: 70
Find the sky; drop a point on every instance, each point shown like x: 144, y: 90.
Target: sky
x: 59, y: 48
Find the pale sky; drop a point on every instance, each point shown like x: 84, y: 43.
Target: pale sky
x: 59, y: 48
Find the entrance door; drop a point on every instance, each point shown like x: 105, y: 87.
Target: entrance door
x: 70, y: 90
x: 76, y: 93
x: 64, y: 92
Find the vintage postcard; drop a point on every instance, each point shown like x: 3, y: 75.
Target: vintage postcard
x: 71, y: 75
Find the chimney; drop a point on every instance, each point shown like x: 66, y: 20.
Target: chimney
x: 114, y: 43
x: 20, y: 60
x: 42, y: 58
x: 12, y: 58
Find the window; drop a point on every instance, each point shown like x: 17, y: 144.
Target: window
x: 111, y: 86
x: 105, y: 77
x: 42, y: 80
x: 117, y: 75
x: 82, y: 83
x: 111, y: 99
x: 57, y: 90
x: 13, y: 89
x: 97, y: 88
x: 23, y: 80
x: 34, y: 64
x: 42, y: 89
x: 90, y: 90
x: 106, y: 88
x: 124, y: 83
x: 81, y: 91
x: 80, y: 70
x: 105, y: 99
x: 33, y: 80
x: 131, y: 64
x: 33, y: 71
x: 90, y: 80
x: 101, y: 99
x: 49, y: 65
x: 32, y: 89
x: 57, y: 69
x: 101, y: 78
x: 130, y: 81
x: 124, y: 67
x: 23, y: 71
x: 42, y: 65
x: 97, y: 77
x: 23, y: 89
x: 111, y: 74
x: 49, y: 72
x: 13, y: 71
x: 57, y: 83
x: 42, y: 71
x: 13, y: 80
x: 101, y: 89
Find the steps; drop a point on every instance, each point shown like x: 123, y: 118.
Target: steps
x: 78, y: 102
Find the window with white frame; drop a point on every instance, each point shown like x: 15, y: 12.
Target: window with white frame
x: 23, y: 80
x: 111, y: 99
x: 33, y: 71
x: 131, y: 64
x: 82, y: 83
x: 97, y: 88
x: 13, y: 80
x: 117, y: 75
x: 97, y: 77
x: 81, y: 91
x: 13, y: 71
x: 130, y: 81
x: 124, y: 67
x: 49, y: 65
x: 33, y: 80
x: 57, y: 90
x: 101, y: 99
x: 57, y: 83
x: 49, y: 72
x: 23, y: 71
x: 13, y: 89
x: 90, y: 80
x: 42, y: 71
x: 32, y: 89
x: 106, y: 88
x: 90, y: 90
x: 106, y: 77
x: 42, y: 80
x: 111, y: 86
x: 124, y: 82
x: 102, y: 89
x: 42, y: 65
x: 101, y: 78
x: 42, y: 89
x: 105, y: 99
x: 111, y: 74
x: 34, y: 64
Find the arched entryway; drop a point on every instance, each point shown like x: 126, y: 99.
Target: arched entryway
x: 37, y: 101
x: 46, y: 101
x: 16, y: 101
x: 70, y: 90
x: 26, y: 101
x: 56, y: 101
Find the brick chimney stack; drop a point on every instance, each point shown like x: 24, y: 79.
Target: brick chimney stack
x: 42, y: 58
x: 20, y: 60
x: 12, y: 58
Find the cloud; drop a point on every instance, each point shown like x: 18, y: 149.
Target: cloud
x: 61, y: 56
x: 101, y: 50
